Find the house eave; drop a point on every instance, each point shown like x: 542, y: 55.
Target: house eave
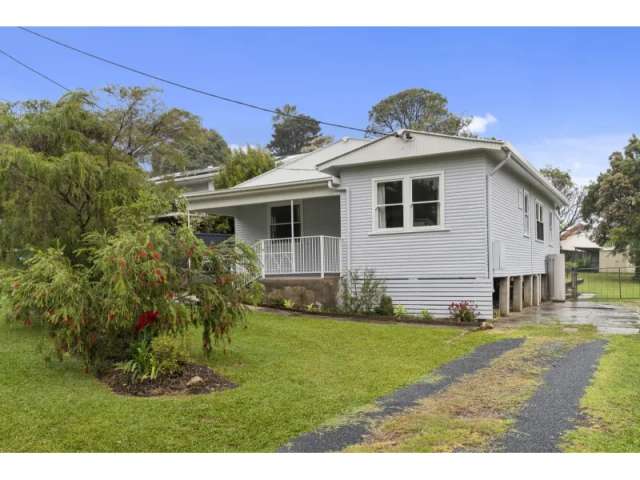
x: 236, y: 197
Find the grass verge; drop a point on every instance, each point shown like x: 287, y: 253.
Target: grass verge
x: 611, y: 404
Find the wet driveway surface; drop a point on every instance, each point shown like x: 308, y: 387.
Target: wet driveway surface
x: 608, y: 318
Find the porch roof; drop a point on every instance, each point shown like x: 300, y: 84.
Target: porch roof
x: 294, y: 177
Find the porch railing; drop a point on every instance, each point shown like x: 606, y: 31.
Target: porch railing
x: 317, y: 255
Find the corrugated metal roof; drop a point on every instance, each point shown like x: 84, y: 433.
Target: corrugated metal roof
x: 186, y: 174
x: 302, y: 167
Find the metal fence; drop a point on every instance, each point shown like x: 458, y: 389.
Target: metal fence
x: 609, y: 283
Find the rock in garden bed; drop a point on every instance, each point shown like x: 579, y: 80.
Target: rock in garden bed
x: 194, y: 379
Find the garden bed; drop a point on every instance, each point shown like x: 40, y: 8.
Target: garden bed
x: 182, y: 383
x: 375, y: 318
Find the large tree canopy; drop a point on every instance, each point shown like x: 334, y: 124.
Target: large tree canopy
x: 65, y: 167
x: 169, y: 139
x: 612, y: 203
x: 206, y: 147
x: 417, y: 109
x: 295, y: 133
x: 563, y: 182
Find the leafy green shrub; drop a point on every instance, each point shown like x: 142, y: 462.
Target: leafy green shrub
x: 170, y: 354
x: 464, y: 311
x: 386, y: 306
x: 286, y: 303
x: 400, y: 311
x: 151, y: 358
x: 360, y: 293
x: 313, y: 307
x: 143, y: 364
x: 426, y: 315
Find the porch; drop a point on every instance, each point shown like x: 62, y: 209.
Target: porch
x: 298, y: 237
x: 317, y: 255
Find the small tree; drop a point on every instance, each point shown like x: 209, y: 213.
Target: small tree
x: 243, y: 165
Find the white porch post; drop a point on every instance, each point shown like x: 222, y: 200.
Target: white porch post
x: 262, y: 255
x: 293, y: 244
x: 322, y: 256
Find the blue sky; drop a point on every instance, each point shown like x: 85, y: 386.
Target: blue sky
x: 566, y: 97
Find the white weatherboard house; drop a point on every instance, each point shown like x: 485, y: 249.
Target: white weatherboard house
x: 439, y: 218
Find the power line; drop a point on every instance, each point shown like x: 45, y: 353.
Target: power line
x: 192, y: 89
x: 40, y: 74
x: 46, y: 77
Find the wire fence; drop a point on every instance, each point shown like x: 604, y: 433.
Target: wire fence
x: 606, y: 283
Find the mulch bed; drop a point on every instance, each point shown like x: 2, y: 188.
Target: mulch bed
x: 373, y: 318
x: 169, y: 384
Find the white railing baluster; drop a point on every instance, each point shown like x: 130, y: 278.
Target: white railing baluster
x: 322, y: 256
x: 315, y: 255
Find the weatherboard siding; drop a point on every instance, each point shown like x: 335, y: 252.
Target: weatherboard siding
x: 522, y: 255
x: 251, y: 223
x: 428, y: 269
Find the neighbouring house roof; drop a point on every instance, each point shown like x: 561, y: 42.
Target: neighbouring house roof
x: 188, y: 176
x: 577, y: 238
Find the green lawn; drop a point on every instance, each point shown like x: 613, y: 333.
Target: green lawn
x: 609, y: 285
x: 293, y: 374
x: 612, y: 402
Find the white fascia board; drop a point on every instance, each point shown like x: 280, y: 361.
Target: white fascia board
x: 236, y: 198
x: 532, y: 171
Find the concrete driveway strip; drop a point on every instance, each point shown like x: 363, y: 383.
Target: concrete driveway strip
x: 333, y: 439
x: 554, y: 407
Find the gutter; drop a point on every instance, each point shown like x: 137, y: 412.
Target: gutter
x: 334, y: 184
x: 231, y: 192
x: 531, y: 170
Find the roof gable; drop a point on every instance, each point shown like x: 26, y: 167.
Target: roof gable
x: 406, y: 144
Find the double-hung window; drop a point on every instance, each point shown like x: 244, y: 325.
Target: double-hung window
x: 526, y: 220
x: 390, y: 205
x: 551, y: 219
x: 280, y: 223
x: 425, y: 201
x: 409, y: 203
x: 539, y: 222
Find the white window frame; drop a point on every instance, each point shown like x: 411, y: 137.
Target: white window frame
x: 407, y: 203
x: 374, y: 200
x: 552, y: 219
x: 526, y: 213
x: 539, y: 206
x: 282, y: 204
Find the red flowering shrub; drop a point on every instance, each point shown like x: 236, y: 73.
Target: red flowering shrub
x: 132, y: 287
x: 464, y: 311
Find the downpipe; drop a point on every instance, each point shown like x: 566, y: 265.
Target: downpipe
x: 488, y: 202
x: 334, y: 184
